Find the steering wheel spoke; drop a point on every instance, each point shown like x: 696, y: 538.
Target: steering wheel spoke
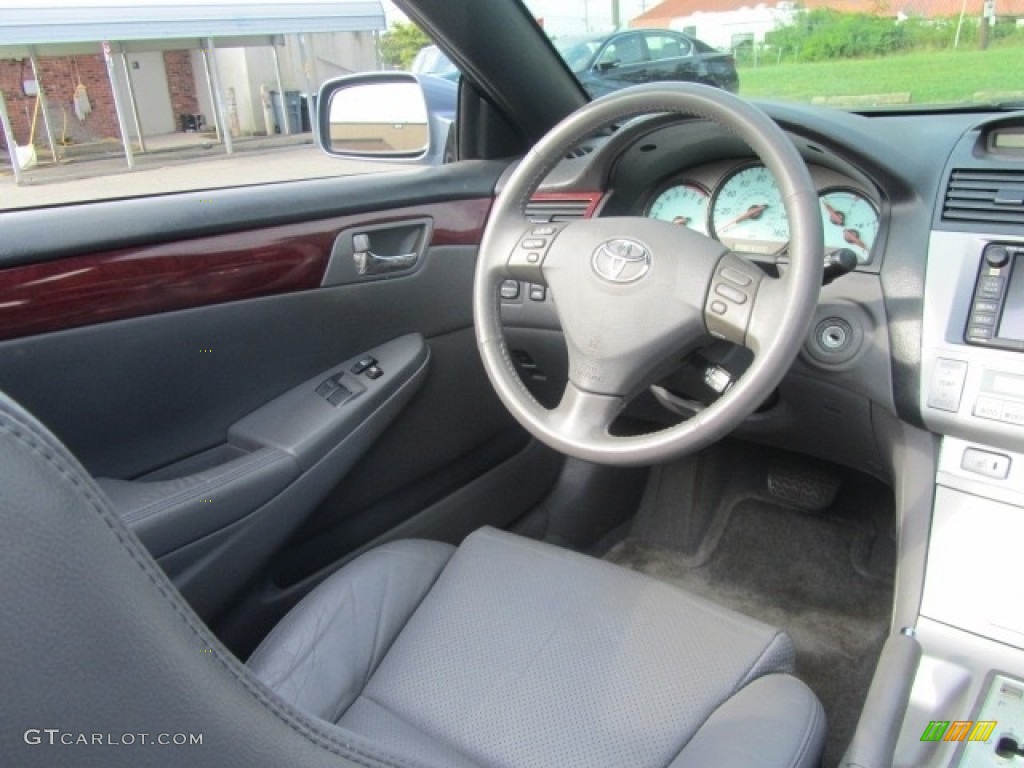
x: 530, y: 250
x: 584, y: 416
x: 740, y: 293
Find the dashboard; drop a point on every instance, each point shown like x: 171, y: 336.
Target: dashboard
x: 881, y: 182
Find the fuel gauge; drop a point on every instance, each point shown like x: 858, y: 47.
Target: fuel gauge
x: 850, y: 220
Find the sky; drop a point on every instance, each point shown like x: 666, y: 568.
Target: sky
x: 561, y: 17
x: 565, y: 17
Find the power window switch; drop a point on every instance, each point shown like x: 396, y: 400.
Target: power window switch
x: 538, y: 293
x: 339, y: 396
x: 326, y: 388
x: 363, y: 363
x: 374, y: 372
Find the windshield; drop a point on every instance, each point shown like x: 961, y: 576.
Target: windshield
x: 577, y: 51
x: 856, y: 55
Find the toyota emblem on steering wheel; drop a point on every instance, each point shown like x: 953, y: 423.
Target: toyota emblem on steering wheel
x: 621, y: 261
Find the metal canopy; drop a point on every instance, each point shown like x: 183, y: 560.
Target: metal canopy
x: 24, y: 23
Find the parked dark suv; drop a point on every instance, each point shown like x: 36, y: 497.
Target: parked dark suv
x: 605, y: 63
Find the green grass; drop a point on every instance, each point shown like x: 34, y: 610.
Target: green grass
x: 933, y: 77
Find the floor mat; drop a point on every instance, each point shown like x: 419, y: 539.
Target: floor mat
x: 825, y: 576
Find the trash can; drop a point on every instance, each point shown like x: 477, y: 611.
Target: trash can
x: 191, y: 123
x: 293, y: 103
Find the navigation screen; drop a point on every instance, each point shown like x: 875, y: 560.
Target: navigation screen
x: 1012, y: 324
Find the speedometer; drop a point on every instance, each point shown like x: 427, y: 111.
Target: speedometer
x: 747, y: 212
x: 683, y: 203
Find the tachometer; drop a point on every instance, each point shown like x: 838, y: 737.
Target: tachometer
x: 684, y: 203
x: 747, y: 212
x: 850, y: 221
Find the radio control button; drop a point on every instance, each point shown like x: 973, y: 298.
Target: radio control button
x: 986, y: 463
x: 988, y: 408
x: 996, y: 256
x: 990, y: 287
x: 1012, y: 413
x: 947, y: 384
x: 986, y: 306
x: 979, y: 331
x: 982, y: 318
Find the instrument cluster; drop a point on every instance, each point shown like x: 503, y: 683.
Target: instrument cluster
x: 744, y: 211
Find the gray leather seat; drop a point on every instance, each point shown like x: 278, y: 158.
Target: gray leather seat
x: 504, y: 652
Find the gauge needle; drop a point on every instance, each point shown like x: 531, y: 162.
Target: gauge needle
x: 852, y: 236
x: 682, y: 221
x: 753, y: 212
x: 834, y: 216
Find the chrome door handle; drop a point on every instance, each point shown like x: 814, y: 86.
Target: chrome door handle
x: 369, y: 263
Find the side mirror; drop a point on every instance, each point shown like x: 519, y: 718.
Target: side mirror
x: 386, y: 116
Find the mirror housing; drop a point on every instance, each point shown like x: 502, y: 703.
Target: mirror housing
x: 386, y: 116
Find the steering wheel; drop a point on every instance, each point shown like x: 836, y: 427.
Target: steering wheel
x: 635, y: 294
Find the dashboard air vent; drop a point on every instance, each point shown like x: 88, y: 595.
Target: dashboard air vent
x: 568, y: 208
x: 993, y: 197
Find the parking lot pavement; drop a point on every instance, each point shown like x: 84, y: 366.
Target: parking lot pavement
x: 194, y: 168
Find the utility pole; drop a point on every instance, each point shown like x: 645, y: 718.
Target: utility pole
x: 615, y: 14
x: 988, y: 12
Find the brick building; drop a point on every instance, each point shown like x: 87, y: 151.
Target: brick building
x: 274, y: 45
x: 61, y: 76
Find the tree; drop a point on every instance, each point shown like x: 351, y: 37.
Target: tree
x: 400, y: 44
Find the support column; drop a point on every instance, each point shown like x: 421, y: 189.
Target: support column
x: 286, y: 123
x: 131, y: 98
x: 209, y: 89
x: 12, y: 148
x: 307, y: 68
x: 216, y: 92
x: 122, y: 123
x: 43, y: 104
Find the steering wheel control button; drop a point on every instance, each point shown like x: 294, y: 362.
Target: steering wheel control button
x: 719, y: 307
x: 534, y: 244
x: 374, y: 372
x: 544, y: 231
x: 510, y: 290
x: 621, y: 260
x: 994, y: 465
x: 363, y: 363
x: 947, y: 384
x: 537, y: 293
x: 734, y: 295
x: 533, y: 258
x: 736, y: 277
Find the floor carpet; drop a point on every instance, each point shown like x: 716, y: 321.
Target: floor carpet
x: 816, y: 561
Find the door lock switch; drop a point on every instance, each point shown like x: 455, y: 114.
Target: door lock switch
x: 363, y: 363
x: 374, y: 372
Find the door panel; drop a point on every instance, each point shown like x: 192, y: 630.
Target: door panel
x: 171, y: 319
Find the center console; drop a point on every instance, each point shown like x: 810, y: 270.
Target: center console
x: 967, y: 702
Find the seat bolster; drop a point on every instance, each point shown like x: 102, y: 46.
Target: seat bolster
x: 774, y: 722
x: 319, y: 657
